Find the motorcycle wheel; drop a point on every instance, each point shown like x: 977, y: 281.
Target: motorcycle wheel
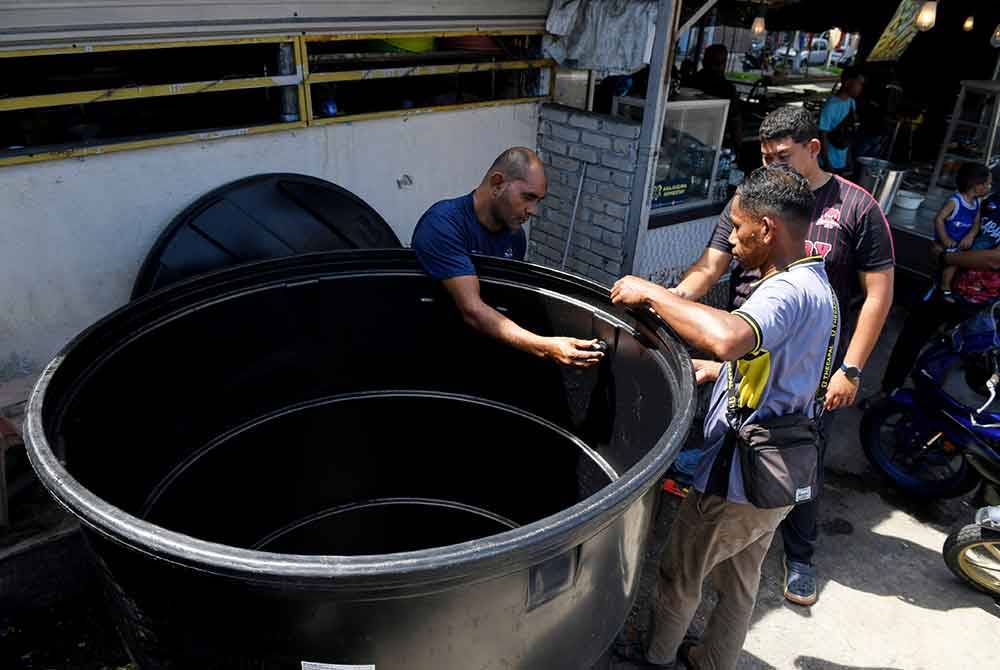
x: 973, y: 554
x: 898, y: 448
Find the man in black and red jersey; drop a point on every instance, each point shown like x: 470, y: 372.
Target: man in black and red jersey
x: 851, y: 233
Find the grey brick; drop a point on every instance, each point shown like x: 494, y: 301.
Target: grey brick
x: 613, y: 267
x: 565, y: 163
x: 561, y: 192
x: 550, y: 226
x: 554, y: 113
x: 561, y: 132
x: 600, y: 173
x: 554, y: 203
x: 614, y: 194
x: 590, y: 186
x: 606, y: 250
x: 557, y: 176
x: 557, y: 238
x: 539, y: 253
x: 584, y: 153
x: 587, y: 230
x: 580, y: 243
x: 621, y: 179
x: 578, y: 266
x: 554, y: 241
x: 555, y: 252
x: 616, y: 240
x: 554, y: 219
x: 547, y: 251
x: 593, y: 202
x: 555, y: 146
x: 613, y: 225
x: 588, y: 257
x: 596, y: 140
x: 626, y: 129
x: 616, y: 211
x: 626, y: 147
x: 617, y: 162
x: 581, y: 120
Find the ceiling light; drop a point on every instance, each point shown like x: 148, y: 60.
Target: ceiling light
x: 927, y: 16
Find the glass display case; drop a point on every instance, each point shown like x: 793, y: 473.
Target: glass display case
x: 693, y: 168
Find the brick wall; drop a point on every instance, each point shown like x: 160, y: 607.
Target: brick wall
x: 603, y: 151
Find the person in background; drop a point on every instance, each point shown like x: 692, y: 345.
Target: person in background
x: 957, y: 222
x: 711, y: 80
x: 976, y: 285
x: 489, y: 221
x: 838, y: 122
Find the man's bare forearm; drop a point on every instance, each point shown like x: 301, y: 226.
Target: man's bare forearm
x: 878, y: 301
x: 720, y: 333
x: 492, y: 323
x: 705, y: 273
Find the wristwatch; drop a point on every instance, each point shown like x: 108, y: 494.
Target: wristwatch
x: 850, y: 371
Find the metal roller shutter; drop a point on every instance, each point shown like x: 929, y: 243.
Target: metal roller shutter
x: 44, y: 22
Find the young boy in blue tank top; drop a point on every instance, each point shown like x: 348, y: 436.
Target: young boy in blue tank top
x: 957, y: 223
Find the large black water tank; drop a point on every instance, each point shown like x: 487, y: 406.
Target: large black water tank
x: 313, y: 460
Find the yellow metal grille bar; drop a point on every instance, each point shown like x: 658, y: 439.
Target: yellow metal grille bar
x: 423, y: 71
x: 138, y: 92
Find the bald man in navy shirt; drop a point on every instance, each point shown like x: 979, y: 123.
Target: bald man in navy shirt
x: 490, y: 221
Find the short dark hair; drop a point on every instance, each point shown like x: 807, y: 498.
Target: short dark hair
x: 514, y: 163
x: 714, y: 49
x: 794, y: 122
x: 851, y: 72
x: 778, y: 191
x: 971, y: 175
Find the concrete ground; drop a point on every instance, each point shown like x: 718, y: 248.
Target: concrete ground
x: 887, y: 601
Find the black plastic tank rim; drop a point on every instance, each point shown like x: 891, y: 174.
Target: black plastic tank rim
x: 411, y: 573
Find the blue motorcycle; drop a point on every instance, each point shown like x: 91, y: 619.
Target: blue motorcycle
x: 939, y: 440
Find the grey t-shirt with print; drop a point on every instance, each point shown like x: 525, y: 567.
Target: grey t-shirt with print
x: 791, y: 313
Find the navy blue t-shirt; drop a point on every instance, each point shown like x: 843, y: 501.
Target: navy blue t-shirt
x: 449, y: 232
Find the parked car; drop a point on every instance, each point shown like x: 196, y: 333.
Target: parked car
x: 816, y: 55
x: 843, y: 56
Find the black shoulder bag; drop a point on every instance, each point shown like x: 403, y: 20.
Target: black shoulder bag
x: 780, y: 456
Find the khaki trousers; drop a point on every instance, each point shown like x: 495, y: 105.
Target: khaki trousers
x: 710, y: 536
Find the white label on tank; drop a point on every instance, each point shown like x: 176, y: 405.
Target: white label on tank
x: 307, y: 665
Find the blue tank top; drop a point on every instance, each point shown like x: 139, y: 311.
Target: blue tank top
x: 961, y: 220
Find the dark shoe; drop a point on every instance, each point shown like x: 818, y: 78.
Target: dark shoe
x: 800, y: 583
x: 684, y: 653
x: 634, y: 653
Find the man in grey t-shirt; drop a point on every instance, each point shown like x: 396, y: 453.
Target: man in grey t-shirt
x: 777, y: 341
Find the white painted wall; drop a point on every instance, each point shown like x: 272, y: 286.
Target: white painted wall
x: 74, y: 232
